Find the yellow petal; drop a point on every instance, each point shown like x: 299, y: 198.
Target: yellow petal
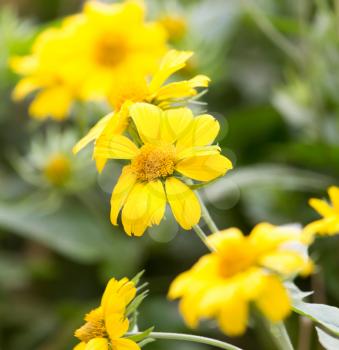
x: 93, y: 133
x: 203, y: 132
x: 197, y: 151
x: 115, y: 147
x: 80, y: 346
x: 125, y: 344
x: 116, y: 325
x: 54, y: 102
x: 120, y: 193
x: 144, y: 207
x: 227, y: 239
x: 284, y: 262
x: 181, y: 89
x: 148, y: 120
x: 171, y: 63
x: 204, y: 168
x: 321, y: 207
x: 184, y: 203
x: 97, y: 344
x: 24, y: 87
x: 233, y: 316
x: 274, y: 301
x: 333, y: 192
x: 176, y: 123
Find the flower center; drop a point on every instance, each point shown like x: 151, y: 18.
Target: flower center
x: 154, y: 162
x: 58, y: 169
x: 93, y: 328
x: 110, y: 51
x: 237, y: 261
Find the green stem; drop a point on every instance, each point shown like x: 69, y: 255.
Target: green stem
x: 201, y: 234
x: 206, y: 215
x: 191, y: 338
x: 280, y: 335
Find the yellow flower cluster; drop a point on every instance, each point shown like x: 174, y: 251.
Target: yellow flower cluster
x: 88, y: 55
x: 106, y: 325
x: 242, y: 270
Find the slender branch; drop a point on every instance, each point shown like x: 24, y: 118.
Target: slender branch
x: 201, y: 234
x: 206, y: 215
x: 190, y: 338
x: 271, y: 32
x: 280, y: 335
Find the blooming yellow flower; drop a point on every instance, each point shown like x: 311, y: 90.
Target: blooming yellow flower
x: 175, y: 25
x: 106, y: 325
x: 135, y: 89
x: 243, y: 269
x: 87, y: 55
x: 173, y: 143
x: 329, y: 224
x: 58, y: 169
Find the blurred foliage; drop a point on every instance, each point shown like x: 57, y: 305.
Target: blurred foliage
x: 275, y: 79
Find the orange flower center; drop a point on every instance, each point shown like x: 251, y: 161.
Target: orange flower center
x: 154, y: 162
x: 93, y: 328
x: 110, y: 51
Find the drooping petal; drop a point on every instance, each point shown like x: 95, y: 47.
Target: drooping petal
x: 125, y: 344
x: 115, y: 147
x: 171, y: 63
x: 156, y: 202
x: 54, y: 102
x: 273, y: 300
x: 24, y: 87
x: 204, y: 168
x: 97, y: 344
x: 148, y: 120
x: 93, y: 133
x: 202, y: 132
x: 184, y: 203
x: 120, y: 193
x: 233, y: 316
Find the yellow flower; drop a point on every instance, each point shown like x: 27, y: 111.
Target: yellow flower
x: 175, y: 25
x: 42, y: 71
x: 115, y: 40
x: 135, y: 89
x: 329, y: 224
x: 87, y: 55
x: 243, y: 270
x: 106, y: 325
x: 58, y: 169
x: 174, y: 143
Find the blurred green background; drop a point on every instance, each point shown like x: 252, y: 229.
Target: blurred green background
x: 274, y: 66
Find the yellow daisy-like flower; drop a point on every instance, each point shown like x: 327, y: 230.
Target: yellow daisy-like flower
x: 242, y: 270
x: 329, y: 224
x: 88, y: 55
x: 174, y: 143
x: 136, y: 89
x: 106, y: 325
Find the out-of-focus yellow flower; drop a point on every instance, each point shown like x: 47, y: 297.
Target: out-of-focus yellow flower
x: 134, y: 88
x: 88, y: 55
x: 58, y: 169
x: 243, y: 269
x: 174, y: 143
x: 329, y: 224
x: 175, y: 25
x: 106, y: 325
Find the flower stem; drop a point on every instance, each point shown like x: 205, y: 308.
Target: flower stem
x: 206, y: 215
x: 191, y: 338
x: 201, y: 234
x: 280, y: 335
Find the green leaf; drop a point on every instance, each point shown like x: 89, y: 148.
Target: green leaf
x: 325, y: 315
x: 141, y: 335
x: 328, y: 341
x: 133, y: 306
